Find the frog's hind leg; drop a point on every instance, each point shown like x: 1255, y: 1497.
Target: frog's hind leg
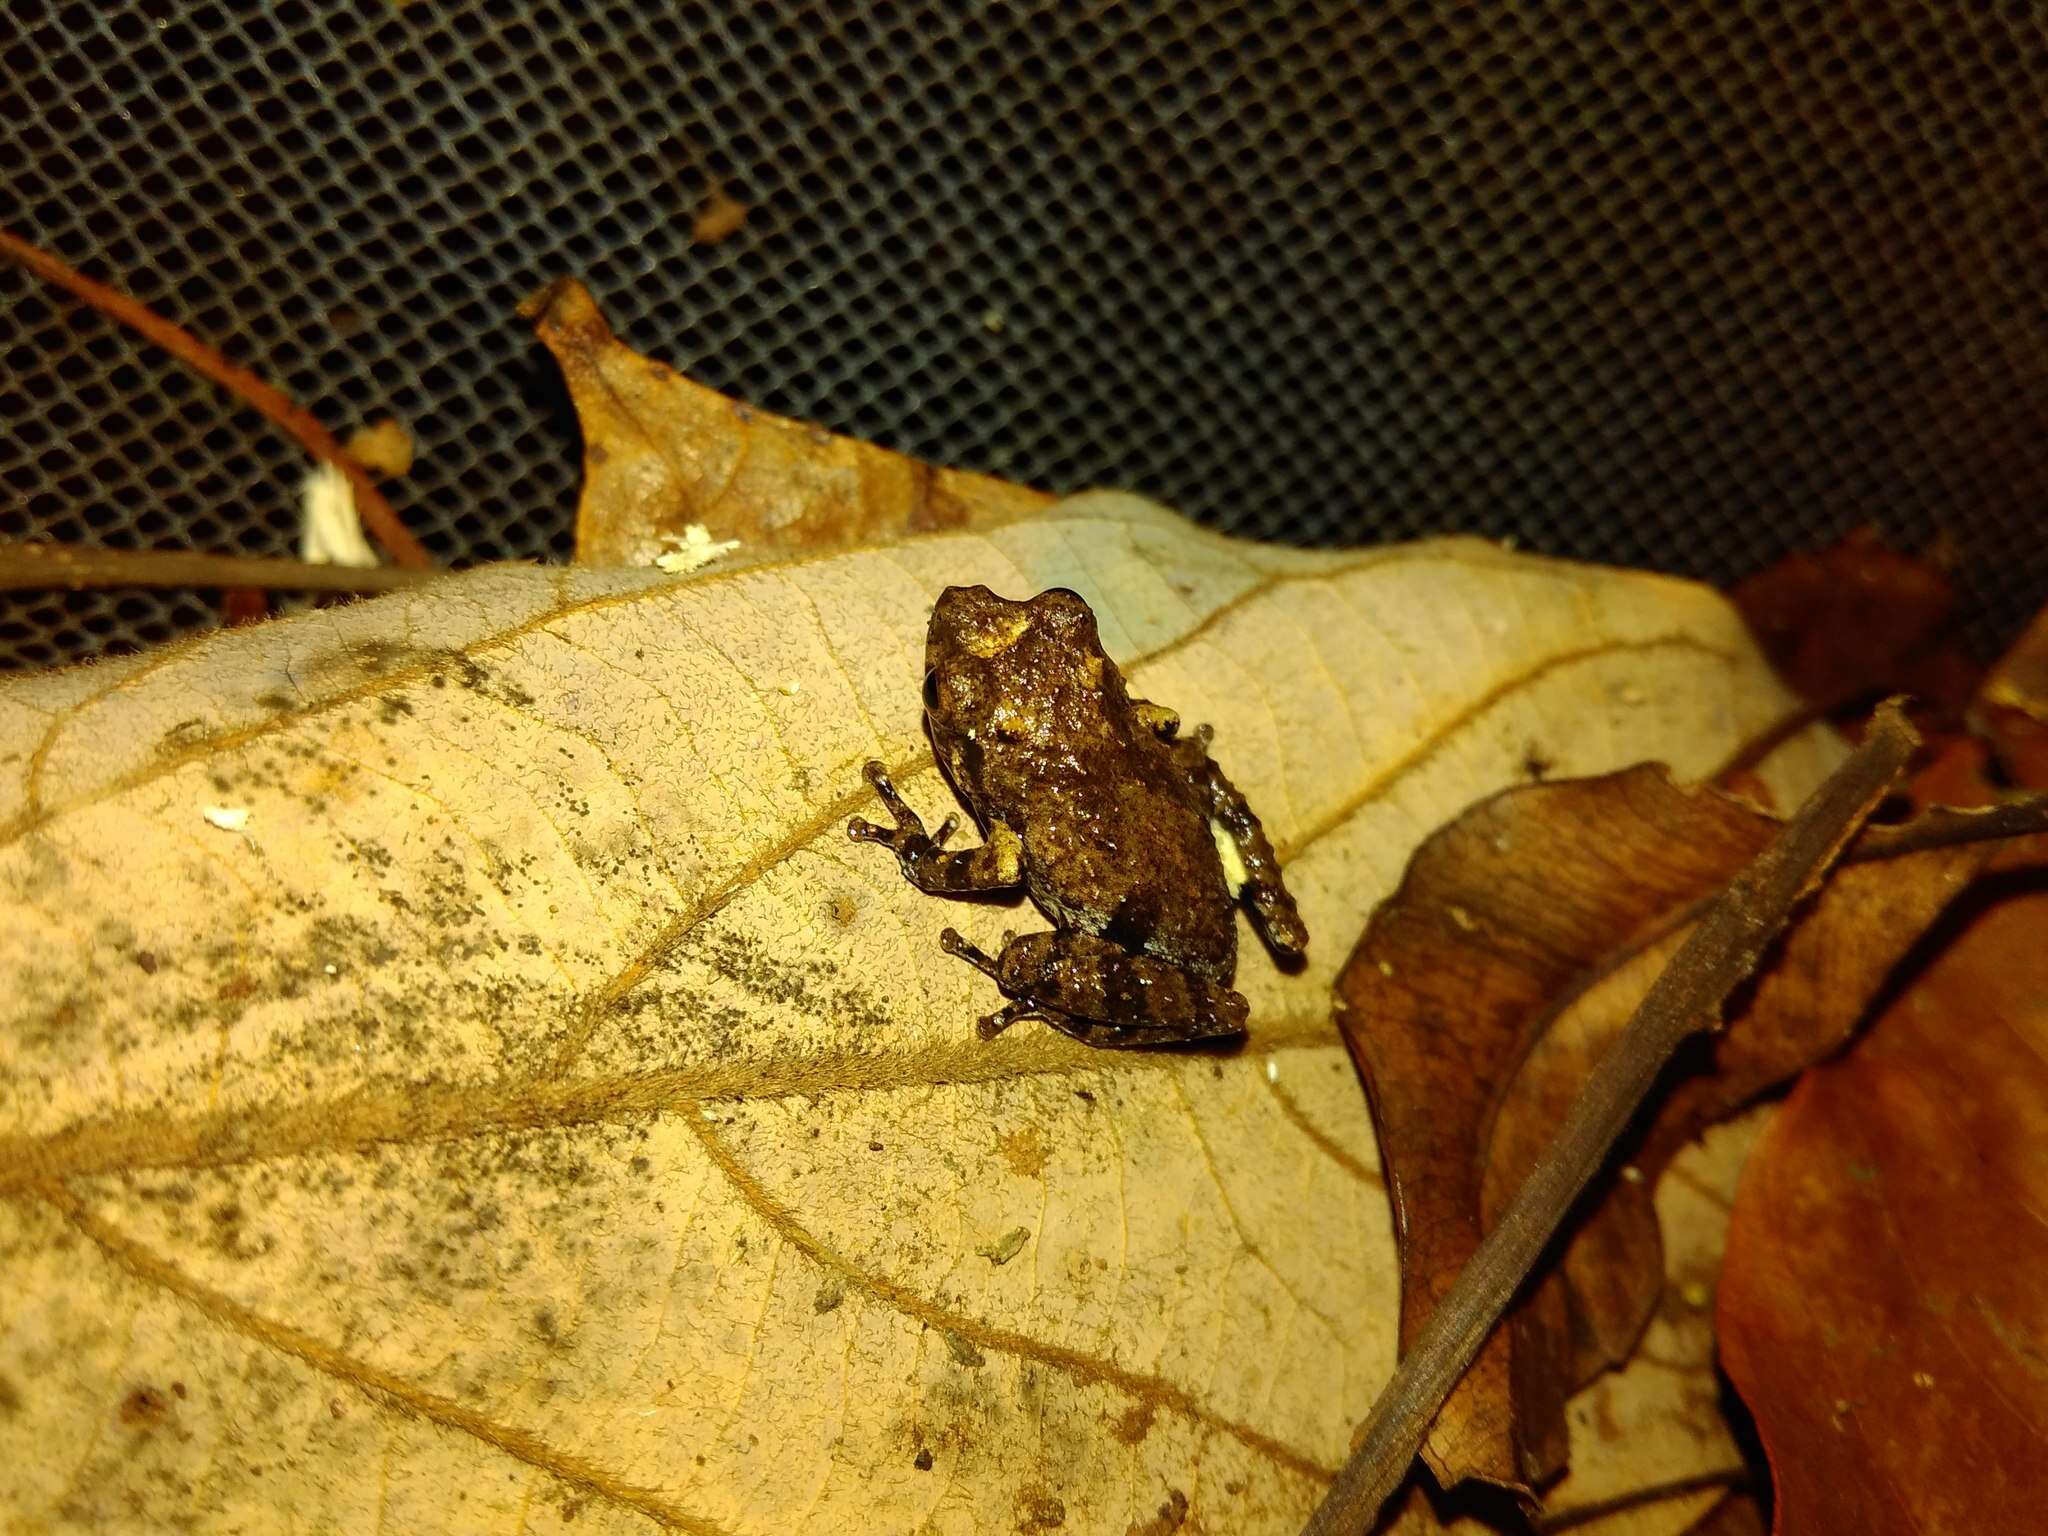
x: 1263, y: 891
x: 989, y: 1025
x: 1138, y: 1036
x: 992, y: 1024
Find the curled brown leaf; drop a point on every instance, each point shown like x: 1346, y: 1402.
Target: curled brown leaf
x: 662, y: 453
x: 1481, y: 996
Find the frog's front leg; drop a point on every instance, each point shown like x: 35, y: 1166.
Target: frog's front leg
x: 1099, y: 992
x: 998, y: 864
x: 1273, y: 909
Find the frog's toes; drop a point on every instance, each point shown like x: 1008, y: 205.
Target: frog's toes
x: 953, y: 943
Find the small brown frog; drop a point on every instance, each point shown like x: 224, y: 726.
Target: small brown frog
x: 1096, y: 804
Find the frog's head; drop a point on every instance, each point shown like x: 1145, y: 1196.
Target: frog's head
x: 1000, y: 669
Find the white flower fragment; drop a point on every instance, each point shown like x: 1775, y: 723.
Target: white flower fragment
x: 330, y: 530
x: 693, y: 550
x: 229, y: 818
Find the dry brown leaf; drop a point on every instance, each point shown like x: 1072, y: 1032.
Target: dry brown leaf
x: 1884, y: 1315
x: 661, y: 453
x: 383, y: 447
x: 719, y: 216
x: 1860, y: 619
x: 463, y: 1078
x: 1521, y: 939
x: 1641, y: 1434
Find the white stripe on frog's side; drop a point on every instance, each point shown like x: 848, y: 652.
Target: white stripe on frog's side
x: 1235, y: 875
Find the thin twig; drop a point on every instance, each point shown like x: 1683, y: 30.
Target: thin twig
x: 238, y: 381
x: 1944, y: 826
x: 1726, y: 1479
x: 30, y: 564
x: 1688, y: 997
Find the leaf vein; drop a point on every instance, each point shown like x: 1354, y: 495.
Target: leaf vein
x: 383, y: 1387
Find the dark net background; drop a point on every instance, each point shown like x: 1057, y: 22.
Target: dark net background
x: 1682, y: 285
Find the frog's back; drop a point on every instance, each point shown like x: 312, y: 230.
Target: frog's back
x: 1130, y: 858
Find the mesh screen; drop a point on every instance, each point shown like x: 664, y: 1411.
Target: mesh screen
x: 1681, y: 284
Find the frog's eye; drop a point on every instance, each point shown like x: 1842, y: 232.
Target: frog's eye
x: 931, y: 689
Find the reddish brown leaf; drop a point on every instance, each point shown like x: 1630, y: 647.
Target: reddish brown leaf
x: 1520, y: 940
x: 661, y: 453
x: 1882, y: 1309
x: 1860, y: 619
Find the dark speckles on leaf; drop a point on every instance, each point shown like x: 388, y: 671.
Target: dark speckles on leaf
x: 183, y: 737
x: 962, y: 1349
x: 393, y: 707
x: 1171, y: 1516
x: 1041, y: 1512
x: 829, y: 1296
x: 816, y: 990
x: 478, y: 678
x: 144, y: 1408
x: 1134, y: 1423
x: 923, y: 1459
x: 377, y: 655
x: 544, y: 1325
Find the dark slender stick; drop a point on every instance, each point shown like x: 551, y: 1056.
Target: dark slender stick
x: 30, y: 564
x: 1732, y: 935
x: 269, y: 401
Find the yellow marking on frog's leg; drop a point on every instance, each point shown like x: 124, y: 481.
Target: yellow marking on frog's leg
x: 1157, y: 718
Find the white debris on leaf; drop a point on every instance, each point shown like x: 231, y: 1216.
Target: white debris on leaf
x: 692, y: 550
x: 229, y: 818
x: 331, y: 532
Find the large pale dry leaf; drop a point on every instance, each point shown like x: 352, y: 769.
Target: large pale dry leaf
x: 661, y: 452
x: 2012, y: 709
x: 461, y: 1075
x: 1482, y: 995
